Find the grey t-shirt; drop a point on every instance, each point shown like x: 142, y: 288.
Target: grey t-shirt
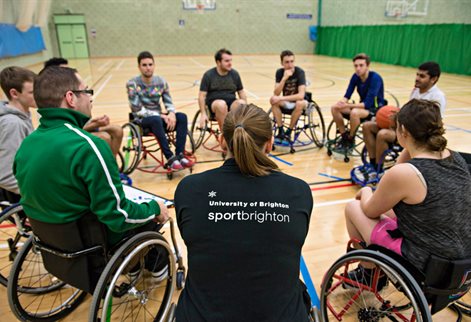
x: 221, y: 87
x: 441, y: 224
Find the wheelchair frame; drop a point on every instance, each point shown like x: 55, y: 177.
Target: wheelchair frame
x: 202, y: 136
x: 138, y: 144
x: 111, y: 287
x: 306, y: 125
x: 402, y: 297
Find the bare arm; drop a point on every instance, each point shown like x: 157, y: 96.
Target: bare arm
x: 296, y: 97
x: 202, y: 105
x: 242, y: 95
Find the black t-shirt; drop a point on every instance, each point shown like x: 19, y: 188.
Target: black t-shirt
x: 291, y: 85
x: 244, y: 237
x: 221, y: 87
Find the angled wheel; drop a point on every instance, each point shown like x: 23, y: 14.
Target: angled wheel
x: 391, y: 98
x: 14, y: 231
x: 316, y: 124
x: 131, y: 147
x: 198, y: 133
x: 190, y: 146
x: 136, y: 296
x: 389, y: 293
x: 47, y: 298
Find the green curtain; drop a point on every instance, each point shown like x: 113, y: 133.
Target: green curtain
x: 406, y: 45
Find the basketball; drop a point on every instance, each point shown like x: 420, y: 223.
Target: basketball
x: 384, y: 116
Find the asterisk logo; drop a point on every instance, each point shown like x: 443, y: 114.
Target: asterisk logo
x: 212, y: 194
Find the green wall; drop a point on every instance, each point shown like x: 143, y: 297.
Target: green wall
x: 125, y: 27
x: 405, y: 45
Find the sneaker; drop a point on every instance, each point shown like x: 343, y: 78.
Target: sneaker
x: 280, y: 136
x: 186, y: 163
x: 160, y: 275
x: 287, y: 137
x: 364, y: 276
x: 365, y: 173
x: 174, y: 164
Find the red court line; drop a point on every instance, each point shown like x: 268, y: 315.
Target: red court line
x: 7, y: 226
x: 333, y: 187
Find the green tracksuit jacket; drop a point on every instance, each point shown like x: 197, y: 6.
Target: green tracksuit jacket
x: 63, y: 172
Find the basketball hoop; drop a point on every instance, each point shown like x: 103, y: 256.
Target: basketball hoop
x: 200, y: 8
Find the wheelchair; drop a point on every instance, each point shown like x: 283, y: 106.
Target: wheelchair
x: 14, y: 231
x: 387, y: 160
x: 309, y: 129
x: 116, y: 277
x: 209, y: 136
x: 395, y: 290
x: 139, y: 143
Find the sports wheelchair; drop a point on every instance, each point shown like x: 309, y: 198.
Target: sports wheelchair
x: 14, y: 231
x: 387, y: 160
x: 138, y: 143
x: 78, y: 260
x: 209, y: 136
x: 394, y: 291
x: 309, y: 129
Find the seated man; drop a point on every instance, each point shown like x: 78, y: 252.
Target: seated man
x: 15, y: 123
x: 98, y: 126
x: 291, y: 82
x: 65, y: 173
x: 218, y: 87
x: 370, y: 88
x: 377, y: 140
x: 144, y: 93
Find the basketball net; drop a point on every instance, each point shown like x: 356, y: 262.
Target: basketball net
x: 200, y: 8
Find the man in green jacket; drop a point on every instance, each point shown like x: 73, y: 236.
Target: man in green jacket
x: 64, y: 172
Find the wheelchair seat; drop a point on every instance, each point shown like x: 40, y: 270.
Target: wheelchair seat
x: 309, y: 129
x: 75, y: 252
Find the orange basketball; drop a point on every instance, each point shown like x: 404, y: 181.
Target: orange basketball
x: 384, y: 117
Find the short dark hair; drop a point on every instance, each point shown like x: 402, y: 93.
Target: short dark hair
x: 432, y: 68
x: 285, y: 53
x: 56, y: 61
x: 144, y: 55
x: 362, y: 56
x: 15, y: 77
x: 52, y: 83
x: 220, y: 52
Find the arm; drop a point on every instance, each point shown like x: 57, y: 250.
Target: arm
x: 242, y: 95
x: 96, y: 122
x: 398, y: 183
x: 98, y: 170
x: 295, y: 97
x: 133, y: 97
x: 370, y: 102
x: 11, y: 136
x: 171, y: 118
x: 202, y: 105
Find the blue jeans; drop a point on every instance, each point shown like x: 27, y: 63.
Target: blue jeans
x: 158, y: 127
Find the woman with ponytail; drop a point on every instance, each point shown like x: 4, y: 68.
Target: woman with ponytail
x: 244, y: 225
x: 421, y: 207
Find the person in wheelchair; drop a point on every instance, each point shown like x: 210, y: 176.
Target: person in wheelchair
x: 218, y: 89
x: 15, y: 123
x: 377, y: 140
x: 65, y: 173
x: 290, y: 89
x: 144, y: 94
x: 244, y: 242
x: 421, y: 207
x: 370, y: 88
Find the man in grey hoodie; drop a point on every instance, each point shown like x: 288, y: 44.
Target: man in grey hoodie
x: 15, y: 122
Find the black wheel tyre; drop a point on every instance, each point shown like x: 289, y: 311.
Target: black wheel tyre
x: 180, y: 280
x: 329, y: 153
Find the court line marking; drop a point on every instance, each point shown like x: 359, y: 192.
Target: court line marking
x: 333, y: 187
x: 332, y: 203
x: 252, y: 94
x: 102, y: 86
x: 118, y: 67
x: 105, y: 65
x: 331, y: 176
x: 280, y: 159
x: 197, y: 62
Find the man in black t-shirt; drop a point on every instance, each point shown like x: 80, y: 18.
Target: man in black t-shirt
x: 218, y: 89
x: 290, y: 89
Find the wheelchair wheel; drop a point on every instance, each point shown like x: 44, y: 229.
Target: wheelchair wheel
x: 316, y: 124
x: 190, y: 146
x: 198, y: 133
x: 130, y: 148
x: 138, y: 298
x: 47, y: 298
x: 14, y: 231
x: 389, y: 294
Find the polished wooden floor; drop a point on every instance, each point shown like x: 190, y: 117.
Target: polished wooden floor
x: 327, y: 80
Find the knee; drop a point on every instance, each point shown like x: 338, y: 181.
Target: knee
x: 181, y: 118
x: 351, y: 209
x: 116, y: 131
x: 104, y: 136
x: 300, y: 105
x: 368, y: 126
x: 386, y: 135
x: 219, y: 106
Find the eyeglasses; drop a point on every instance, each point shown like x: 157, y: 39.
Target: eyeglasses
x: 83, y: 91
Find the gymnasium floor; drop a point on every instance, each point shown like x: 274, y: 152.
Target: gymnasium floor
x: 327, y: 80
